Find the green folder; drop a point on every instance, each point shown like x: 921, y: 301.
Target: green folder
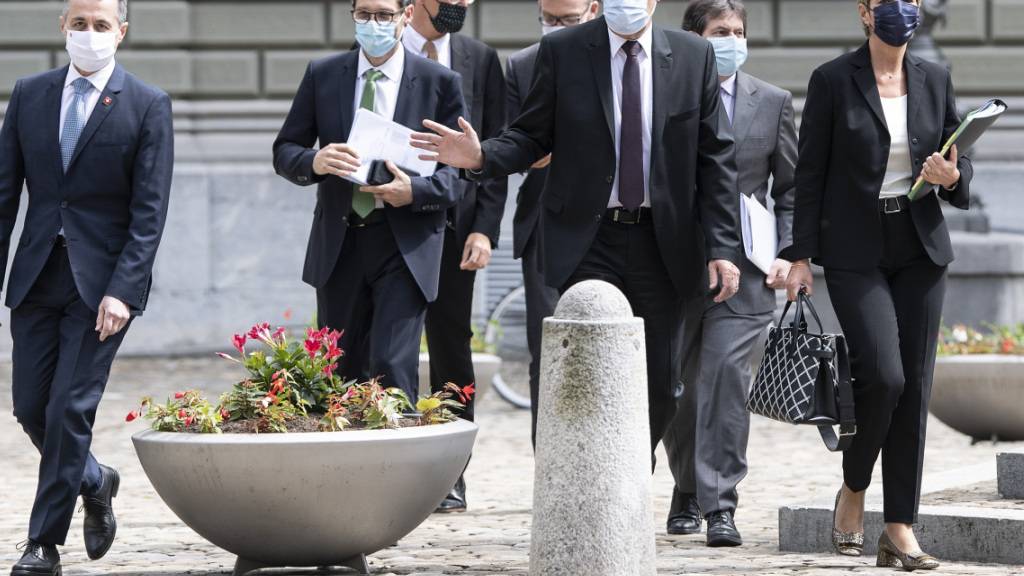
x: 973, y: 126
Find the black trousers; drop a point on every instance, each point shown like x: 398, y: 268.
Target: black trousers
x: 449, y: 322
x: 373, y: 297
x: 627, y: 256
x: 60, y: 372
x: 891, y: 317
x: 540, y: 303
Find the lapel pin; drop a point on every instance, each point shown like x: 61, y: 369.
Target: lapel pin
x: 107, y: 100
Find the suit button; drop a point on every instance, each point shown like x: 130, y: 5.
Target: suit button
x: 914, y: 141
x: 610, y: 179
x: 64, y: 204
x: 598, y: 217
x: 303, y: 178
x: 344, y: 219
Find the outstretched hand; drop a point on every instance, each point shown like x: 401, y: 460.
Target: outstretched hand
x: 450, y: 147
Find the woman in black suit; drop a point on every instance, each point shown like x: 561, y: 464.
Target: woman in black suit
x: 872, y: 122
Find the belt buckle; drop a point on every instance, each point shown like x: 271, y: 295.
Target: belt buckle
x: 896, y: 202
x: 630, y: 216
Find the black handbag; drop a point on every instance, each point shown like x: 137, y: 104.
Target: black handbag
x: 804, y: 378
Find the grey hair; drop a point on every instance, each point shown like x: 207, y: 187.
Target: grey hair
x: 700, y: 12
x: 122, y: 10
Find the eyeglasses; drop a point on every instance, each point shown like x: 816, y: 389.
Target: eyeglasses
x: 363, y: 17
x: 571, y: 20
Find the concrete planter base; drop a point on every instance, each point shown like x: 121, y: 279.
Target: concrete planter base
x: 485, y: 366
x: 310, y: 499
x: 980, y: 395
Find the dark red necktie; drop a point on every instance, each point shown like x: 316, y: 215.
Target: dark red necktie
x: 631, y: 139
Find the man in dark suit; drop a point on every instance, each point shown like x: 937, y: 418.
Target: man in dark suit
x: 642, y: 191
x: 707, y: 442
x: 95, y: 146
x: 473, y: 223
x: 526, y: 234
x: 374, y: 251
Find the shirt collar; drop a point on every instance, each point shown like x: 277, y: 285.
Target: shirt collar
x: 617, y: 41
x: 416, y: 41
x: 392, y: 69
x: 98, y: 79
x: 729, y: 85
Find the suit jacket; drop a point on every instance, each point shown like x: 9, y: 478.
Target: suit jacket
x: 323, y: 112
x: 568, y: 113
x: 483, y: 203
x: 111, y: 202
x: 765, y: 149
x: 844, y: 151
x: 518, y: 76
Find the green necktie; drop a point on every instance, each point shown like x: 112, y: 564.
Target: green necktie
x: 363, y: 202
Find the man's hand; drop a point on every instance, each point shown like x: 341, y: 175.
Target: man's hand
x: 938, y: 170
x: 451, y: 147
x: 477, y: 253
x: 777, y: 274
x: 341, y: 160
x: 542, y: 163
x: 800, y: 276
x: 112, y: 318
x: 728, y: 275
x: 397, y: 193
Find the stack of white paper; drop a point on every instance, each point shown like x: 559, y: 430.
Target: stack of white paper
x: 760, y: 240
x: 377, y: 138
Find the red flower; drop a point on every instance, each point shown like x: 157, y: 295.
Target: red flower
x: 278, y: 386
x: 278, y: 333
x: 312, y: 347
x: 332, y: 337
x: 333, y: 351
x: 329, y: 369
x: 179, y: 395
x: 224, y: 414
x: 467, y: 392
x: 131, y: 416
x: 188, y: 421
x: 181, y: 413
x: 239, y: 341
x: 224, y: 356
x: 1007, y: 346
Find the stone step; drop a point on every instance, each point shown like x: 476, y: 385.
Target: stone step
x: 1010, y: 472
x: 955, y: 533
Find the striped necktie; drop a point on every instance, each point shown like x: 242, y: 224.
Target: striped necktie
x: 74, y: 121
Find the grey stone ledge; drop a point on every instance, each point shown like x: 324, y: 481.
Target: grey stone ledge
x: 1010, y: 474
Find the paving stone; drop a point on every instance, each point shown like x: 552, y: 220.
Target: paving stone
x: 1008, y: 19
x: 259, y: 24
x: 159, y: 23
x: 1010, y: 474
x: 233, y: 73
x: 966, y: 22
x: 812, y: 21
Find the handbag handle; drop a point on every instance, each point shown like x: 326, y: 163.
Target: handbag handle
x: 847, y: 415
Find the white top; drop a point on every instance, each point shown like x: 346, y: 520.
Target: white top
x: 618, y: 57
x: 728, y: 92
x: 386, y: 97
x: 98, y: 80
x: 899, y: 172
x: 415, y: 42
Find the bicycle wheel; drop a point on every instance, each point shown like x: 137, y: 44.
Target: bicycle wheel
x: 506, y: 335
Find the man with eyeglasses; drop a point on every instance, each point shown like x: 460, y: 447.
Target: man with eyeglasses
x: 526, y: 234
x: 473, y: 224
x: 374, y: 251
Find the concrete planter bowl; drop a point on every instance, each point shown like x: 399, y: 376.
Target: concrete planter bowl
x: 980, y: 395
x: 485, y: 366
x: 307, y: 499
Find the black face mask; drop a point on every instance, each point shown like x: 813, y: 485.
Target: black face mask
x: 449, y: 17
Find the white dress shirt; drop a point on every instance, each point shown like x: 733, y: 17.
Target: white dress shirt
x: 728, y: 91
x: 618, y: 57
x: 416, y: 42
x: 899, y: 172
x: 386, y: 97
x: 98, y: 80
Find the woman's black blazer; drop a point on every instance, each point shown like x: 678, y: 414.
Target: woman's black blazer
x: 844, y: 150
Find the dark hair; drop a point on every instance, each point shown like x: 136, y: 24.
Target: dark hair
x: 401, y: 4
x: 700, y: 12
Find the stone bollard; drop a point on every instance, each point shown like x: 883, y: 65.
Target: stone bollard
x: 592, y: 487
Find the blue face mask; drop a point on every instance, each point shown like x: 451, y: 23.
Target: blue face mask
x: 730, y: 53
x: 376, y: 39
x: 895, y: 22
x: 626, y: 17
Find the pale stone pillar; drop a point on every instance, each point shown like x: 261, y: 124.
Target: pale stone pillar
x: 592, y: 489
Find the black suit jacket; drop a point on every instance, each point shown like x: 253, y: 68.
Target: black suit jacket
x: 568, y: 113
x: 844, y: 150
x: 112, y: 202
x: 323, y: 112
x: 518, y: 76
x: 483, y: 86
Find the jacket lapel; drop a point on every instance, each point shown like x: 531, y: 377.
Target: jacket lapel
x: 600, y: 59
x: 346, y: 87
x: 915, y: 97
x: 54, y: 99
x: 865, y: 80
x: 106, y: 104
x: 405, y: 112
x: 462, y: 62
x: 745, y: 110
x: 661, y: 78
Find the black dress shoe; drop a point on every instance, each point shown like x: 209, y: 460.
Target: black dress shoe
x: 38, y: 560
x: 722, y: 530
x: 684, y: 515
x: 455, y: 501
x: 100, y: 524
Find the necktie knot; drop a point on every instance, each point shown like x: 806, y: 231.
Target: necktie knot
x: 372, y: 75
x: 431, y: 49
x: 81, y: 86
x: 631, y: 48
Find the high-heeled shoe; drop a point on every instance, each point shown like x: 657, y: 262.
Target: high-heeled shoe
x: 890, y: 556
x: 846, y: 543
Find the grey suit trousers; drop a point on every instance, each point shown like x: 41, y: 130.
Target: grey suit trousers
x: 707, y: 440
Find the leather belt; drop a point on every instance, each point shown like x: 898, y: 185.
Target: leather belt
x: 373, y: 218
x: 893, y: 205
x: 622, y: 216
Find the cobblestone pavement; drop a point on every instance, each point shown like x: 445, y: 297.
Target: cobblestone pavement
x: 788, y: 466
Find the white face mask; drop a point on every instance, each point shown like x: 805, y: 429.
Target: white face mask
x: 91, y: 51
x: 546, y: 29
